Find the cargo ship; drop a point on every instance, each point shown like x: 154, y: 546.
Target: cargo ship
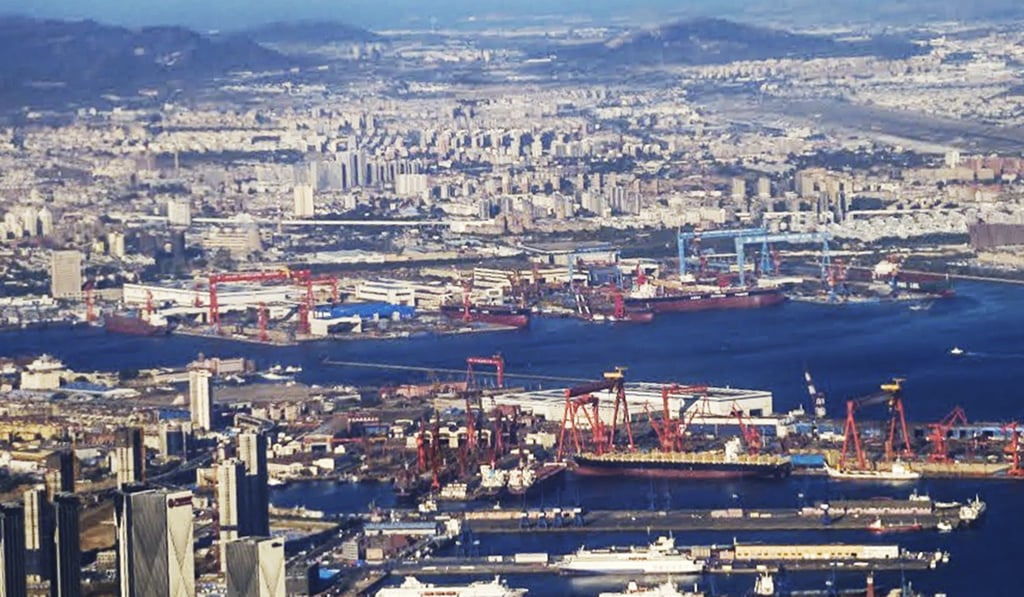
x: 647, y: 298
x: 136, y: 325
x: 660, y: 557
x: 517, y: 317
x: 900, y: 473
x: 729, y: 463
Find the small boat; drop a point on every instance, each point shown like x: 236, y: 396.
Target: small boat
x: 957, y: 351
x: 764, y: 585
x: 880, y: 527
x: 944, y: 526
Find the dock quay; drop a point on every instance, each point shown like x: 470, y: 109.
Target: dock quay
x: 918, y: 514
x: 723, y: 560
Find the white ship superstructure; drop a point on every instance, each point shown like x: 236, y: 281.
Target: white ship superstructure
x: 411, y: 587
x: 661, y: 557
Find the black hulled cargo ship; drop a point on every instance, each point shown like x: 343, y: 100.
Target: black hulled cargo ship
x: 726, y: 464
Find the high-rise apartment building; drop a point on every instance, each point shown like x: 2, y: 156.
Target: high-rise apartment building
x: 67, y: 578
x: 38, y: 535
x: 256, y: 567
x: 66, y: 274
x: 154, y: 543
x: 252, y: 450
x: 303, y: 201
x: 129, y: 456
x: 60, y: 474
x: 200, y: 398
x: 233, y: 504
x: 13, y: 581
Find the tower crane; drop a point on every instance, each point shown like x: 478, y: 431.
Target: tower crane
x: 890, y: 395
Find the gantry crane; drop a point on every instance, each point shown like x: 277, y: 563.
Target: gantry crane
x: 580, y: 397
x: 751, y: 436
x: 939, y: 432
x: 668, y: 431
x: 302, y: 277
x: 496, y: 361
x: 1011, y: 431
x: 891, y: 395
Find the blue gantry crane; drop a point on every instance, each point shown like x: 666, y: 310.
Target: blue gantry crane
x: 749, y: 236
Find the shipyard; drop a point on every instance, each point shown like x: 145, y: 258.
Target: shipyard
x: 495, y: 299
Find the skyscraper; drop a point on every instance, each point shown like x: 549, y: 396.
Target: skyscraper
x: 60, y: 476
x: 256, y: 567
x: 12, y: 551
x: 252, y: 450
x: 233, y: 504
x: 38, y: 535
x: 200, y: 398
x: 154, y: 543
x: 303, y: 201
x: 67, y: 580
x: 66, y: 274
x: 129, y: 456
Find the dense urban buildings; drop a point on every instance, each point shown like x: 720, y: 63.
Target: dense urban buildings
x: 214, y: 244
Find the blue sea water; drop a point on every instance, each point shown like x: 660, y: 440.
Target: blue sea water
x: 849, y: 349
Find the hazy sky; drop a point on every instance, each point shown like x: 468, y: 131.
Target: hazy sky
x: 235, y: 14
x: 232, y: 14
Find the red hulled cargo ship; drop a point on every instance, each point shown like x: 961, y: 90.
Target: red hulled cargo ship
x: 517, y: 317
x: 135, y: 325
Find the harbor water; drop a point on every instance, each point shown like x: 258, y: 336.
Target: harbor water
x: 849, y: 350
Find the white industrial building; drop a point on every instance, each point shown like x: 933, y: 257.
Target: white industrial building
x: 197, y: 295
x: 713, y: 406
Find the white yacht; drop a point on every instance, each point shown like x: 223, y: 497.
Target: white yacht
x: 412, y: 587
x: 667, y: 589
x: 660, y: 557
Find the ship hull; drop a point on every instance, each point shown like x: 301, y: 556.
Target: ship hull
x: 120, y: 324
x: 707, y: 301
x: 680, y: 470
x: 497, y: 315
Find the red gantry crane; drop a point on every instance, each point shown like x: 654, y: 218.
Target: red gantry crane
x: 577, y: 400
x: 751, y: 436
x: 669, y: 431
x: 939, y: 433
x: 301, y: 277
x: 1011, y: 431
x: 891, y: 395
x: 496, y: 361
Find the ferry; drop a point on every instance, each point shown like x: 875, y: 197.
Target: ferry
x: 412, y: 587
x: 660, y: 557
x: 900, y: 473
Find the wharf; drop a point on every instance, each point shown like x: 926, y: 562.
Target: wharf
x: 685, y: 520
x: 502, y: 565
x: 842, y: 515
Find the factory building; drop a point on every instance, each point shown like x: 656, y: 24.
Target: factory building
x: 711, y: 406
